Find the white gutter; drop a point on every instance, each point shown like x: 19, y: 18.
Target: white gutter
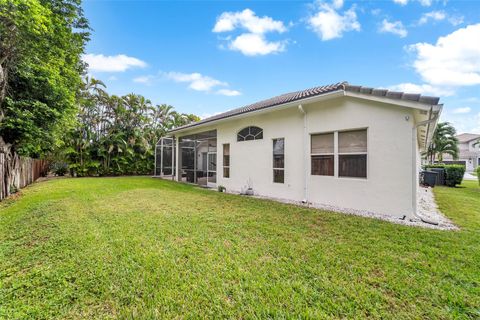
x: 305, y: 151
x: 398, y: 102
x: 317, y: 98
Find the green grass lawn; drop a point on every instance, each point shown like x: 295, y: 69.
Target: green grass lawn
x: 146, y: 248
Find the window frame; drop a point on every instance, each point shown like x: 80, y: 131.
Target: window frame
x: 223, y: 160
x: 336, y: 154
x: 243, y: 138
x: 313, y: 154
x: 274, y: 168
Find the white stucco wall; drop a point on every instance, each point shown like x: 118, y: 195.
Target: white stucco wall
x: 389, y: 186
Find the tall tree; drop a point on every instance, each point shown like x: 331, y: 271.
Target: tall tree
x: 117, y: 135
x: 444, y: 142
x: 41, y: 42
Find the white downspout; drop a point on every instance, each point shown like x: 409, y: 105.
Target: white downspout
x: 305, y: 150
x: 414, y: 162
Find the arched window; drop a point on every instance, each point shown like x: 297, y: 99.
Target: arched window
x: 250, y: 133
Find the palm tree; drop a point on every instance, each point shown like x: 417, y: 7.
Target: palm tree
x: 444, y: 142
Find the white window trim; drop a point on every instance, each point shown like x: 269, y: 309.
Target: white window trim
x: 283, y: 169
x: 336, y: 154
x: 229, y: 160
x: 322, y: 154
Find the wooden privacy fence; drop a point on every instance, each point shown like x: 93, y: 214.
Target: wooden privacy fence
x: 18, y: 172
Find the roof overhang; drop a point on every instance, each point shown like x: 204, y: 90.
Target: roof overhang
x: 323, y: 97
x: 429, y: 116
x: 424, y: 133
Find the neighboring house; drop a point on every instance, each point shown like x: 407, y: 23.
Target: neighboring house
x: 469, y: 154
x: 338, y: 145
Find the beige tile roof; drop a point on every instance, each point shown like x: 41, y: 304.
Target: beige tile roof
x: 311, y: 92
x: 466, y: 137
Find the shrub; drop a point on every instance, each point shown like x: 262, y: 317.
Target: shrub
x: 478, y: 174
x: 59, y: 168
x: 438, y: 165
x: 90, y: 168
x: 454, y: 174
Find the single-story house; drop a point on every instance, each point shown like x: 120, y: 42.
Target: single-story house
x: 469, y: 151
x: 339, y: 145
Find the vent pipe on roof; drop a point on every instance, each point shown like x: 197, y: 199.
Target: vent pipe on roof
x: 305, y: 151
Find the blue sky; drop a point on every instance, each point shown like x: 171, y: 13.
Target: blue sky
x: 208, y: 57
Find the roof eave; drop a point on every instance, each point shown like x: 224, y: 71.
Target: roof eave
x: 436, y: 111
x: 321, y: 97
x: 398, y: 102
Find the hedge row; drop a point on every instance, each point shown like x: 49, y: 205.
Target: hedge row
x: 453, y: 173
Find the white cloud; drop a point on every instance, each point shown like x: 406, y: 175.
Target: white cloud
x: 228, y: 92
x: 208, y: 115
x: 456, y: 20
x: 440, y: 15
x: 337, y: 4
x: 472, y: 100
x: 329, y: 24
x: 144, y: 79
x: 425, y: 3
x: 463, y: 122
x: 246, y: 19
x: 454, y: 60
x: 462, y: 110
x: 252, y: 42
x: 395, y: 27
x: 425, y: 89
x: 432, y: 15
x: 198, y: 82
x: 118, y: 63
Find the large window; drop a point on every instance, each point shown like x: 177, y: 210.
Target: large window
x: 345, y: 150
x: 352, y: 154
x: 250, y: 133
x: 322, y: 152
x: 279, y: 160
x: 226, y: 160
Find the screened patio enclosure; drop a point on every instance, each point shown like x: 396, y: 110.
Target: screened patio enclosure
x: 165, y: 157
x: 197, y: 162
x: 198, y: 158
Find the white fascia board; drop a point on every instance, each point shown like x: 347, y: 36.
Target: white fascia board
x: 386, y: 100
x: 323, y: 97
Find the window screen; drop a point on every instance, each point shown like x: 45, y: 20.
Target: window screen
x: 226, y: 160
x: 352, y: 154
x: 322, y: 154
x: 279, y: 160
